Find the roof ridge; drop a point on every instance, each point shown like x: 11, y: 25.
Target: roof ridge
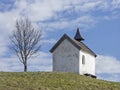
x: 88, y: 48
x: 77, y: 44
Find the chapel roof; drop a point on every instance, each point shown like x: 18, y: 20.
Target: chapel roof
x: 79, y: 45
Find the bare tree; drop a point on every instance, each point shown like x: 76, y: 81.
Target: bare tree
x: 25, y: 40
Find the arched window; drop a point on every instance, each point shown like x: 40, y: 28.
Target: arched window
x: 83, y: 59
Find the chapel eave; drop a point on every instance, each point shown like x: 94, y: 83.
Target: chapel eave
x: 77, y: 44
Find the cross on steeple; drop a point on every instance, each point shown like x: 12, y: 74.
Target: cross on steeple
x: 78, y: 36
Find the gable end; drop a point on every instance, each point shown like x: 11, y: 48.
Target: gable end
x: 63, y: 38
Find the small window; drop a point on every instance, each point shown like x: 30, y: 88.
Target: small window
x: 83, y: 59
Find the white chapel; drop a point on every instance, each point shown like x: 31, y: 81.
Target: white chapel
x: 72, y: 55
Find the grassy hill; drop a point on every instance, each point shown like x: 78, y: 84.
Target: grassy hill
x: 52, y: 81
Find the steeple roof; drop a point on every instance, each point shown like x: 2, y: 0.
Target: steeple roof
x: 78, y: 36
x: 77, y: 44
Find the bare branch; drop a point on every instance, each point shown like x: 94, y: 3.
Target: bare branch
x: 25, y: 40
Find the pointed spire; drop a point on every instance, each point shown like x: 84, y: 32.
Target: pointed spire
x: 78, y: 36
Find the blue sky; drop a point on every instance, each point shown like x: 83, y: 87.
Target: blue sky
x: 98, y: 21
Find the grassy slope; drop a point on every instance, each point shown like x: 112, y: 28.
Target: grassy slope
x: 52, y: 81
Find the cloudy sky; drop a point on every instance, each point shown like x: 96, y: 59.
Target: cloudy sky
x: 98, y: 20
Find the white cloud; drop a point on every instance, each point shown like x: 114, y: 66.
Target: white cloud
x: 109, y: 77
x: 108, y: 68
x: 49, y: 41
x: 42, y: 62
x: 113, y: 77
x: 43, y: 10
x: 116, y: 4
x: 40, y: 10
x: 107, y: 64
x: 82, y: 22
x: 86, y: 7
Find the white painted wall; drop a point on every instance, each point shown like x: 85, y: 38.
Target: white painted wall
x: 66, y: 58
x: 89, y: 66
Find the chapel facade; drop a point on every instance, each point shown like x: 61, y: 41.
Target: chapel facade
x: 72, y: 55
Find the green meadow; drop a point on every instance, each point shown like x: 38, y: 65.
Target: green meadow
x: 52, y: 81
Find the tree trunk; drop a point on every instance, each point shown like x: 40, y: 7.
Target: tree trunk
x: 25, y: 68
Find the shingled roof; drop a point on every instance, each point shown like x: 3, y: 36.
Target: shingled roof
x: 77, y: 44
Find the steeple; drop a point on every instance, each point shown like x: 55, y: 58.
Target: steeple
x: 78, y: 36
